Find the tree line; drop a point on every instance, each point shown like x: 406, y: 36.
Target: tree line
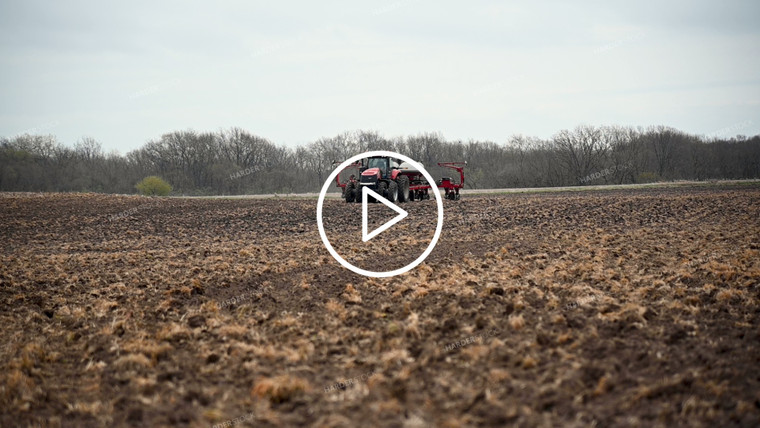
x: 235, y: 161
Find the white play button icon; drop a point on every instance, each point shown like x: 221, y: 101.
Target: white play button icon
x: 366, y: 193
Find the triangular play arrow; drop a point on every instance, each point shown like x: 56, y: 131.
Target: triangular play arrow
x: 366, y: 192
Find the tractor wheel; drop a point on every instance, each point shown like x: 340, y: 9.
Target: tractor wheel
x: 393, y: 192
x: 402, y: 181
x: 382, y: 187
x: 350, y: 192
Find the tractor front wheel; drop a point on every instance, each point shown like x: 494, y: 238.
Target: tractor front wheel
x: 382, y: 187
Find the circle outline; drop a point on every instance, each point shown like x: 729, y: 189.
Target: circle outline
x: 418, y: 260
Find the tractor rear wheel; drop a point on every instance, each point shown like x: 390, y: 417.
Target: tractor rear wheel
x: 402, y: 181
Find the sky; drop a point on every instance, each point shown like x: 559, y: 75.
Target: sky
x: 125, y: 73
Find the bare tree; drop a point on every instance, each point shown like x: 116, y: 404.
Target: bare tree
x: 662, y: 140
x: 581, y: 152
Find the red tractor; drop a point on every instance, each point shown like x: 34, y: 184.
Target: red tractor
x: 396, y: 180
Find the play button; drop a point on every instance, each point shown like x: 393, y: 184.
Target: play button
x: 366, y: 193
x: 397, y: 246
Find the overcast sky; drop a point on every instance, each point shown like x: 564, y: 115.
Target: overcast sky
x: 127, y: 72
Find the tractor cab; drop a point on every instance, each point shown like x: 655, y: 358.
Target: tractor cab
x: 379, y: 168
x: 381, y: 164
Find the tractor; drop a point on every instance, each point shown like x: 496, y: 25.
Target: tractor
x: 396, y: 180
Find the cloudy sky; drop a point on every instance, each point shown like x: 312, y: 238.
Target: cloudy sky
x: 127, y: 72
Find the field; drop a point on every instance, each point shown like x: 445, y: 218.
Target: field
x: 607, y: 308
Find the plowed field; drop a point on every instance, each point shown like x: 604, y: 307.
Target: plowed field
x: 614, y: 308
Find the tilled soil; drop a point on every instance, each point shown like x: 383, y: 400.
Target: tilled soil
x: 637, y: 307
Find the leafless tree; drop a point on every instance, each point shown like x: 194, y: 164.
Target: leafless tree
x: 582, y: 151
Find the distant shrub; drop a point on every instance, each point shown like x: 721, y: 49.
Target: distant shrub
x: 647, y: 177
x: 153, y: 186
